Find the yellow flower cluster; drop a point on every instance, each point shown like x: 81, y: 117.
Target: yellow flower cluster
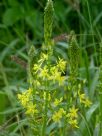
x: 44, y: 73
x: 72, y: 117
x: 73, y: 123
x: 25, y: 97
x: 61, y: 64
x: 84, y: 99
x: 50, y: 72
x: 58, y: 115
x: 47, y: 74
x: 26, y: 100
x: 82, y: 96
x: 44, y: 56
x: 57, y: 101
x: 31, y: 109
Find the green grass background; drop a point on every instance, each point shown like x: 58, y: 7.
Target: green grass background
x: 21, y: 25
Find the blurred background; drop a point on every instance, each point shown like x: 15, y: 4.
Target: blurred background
x: 21, y: 25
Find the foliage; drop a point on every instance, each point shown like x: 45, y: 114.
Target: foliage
x: 71, y: 68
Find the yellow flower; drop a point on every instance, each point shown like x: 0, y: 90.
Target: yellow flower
x: 62, y: 111
x: 31, y: 109
x: 57, y: 102
x: 59, y: 78
x: 82, y: 97
x: 84, y: 100
x: 87, y: 102
x: 73, y: 123
x: 29, y: 92
x: 36, y: 67
x: 44, y: 73
x: 53, y: 70
x: 43, y: 57
x: 25, y: 97
x: 58, y: 115
x: 72, y: 117
x: 72, y: 113
x: 56, y: 75
x: 61, y: 64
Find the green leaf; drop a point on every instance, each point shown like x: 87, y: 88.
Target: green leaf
x: 12, y: 15
x: 92, y: 110
x: 97, y: 129
x: 50, y: 128
x: 10, y: 111
x: 94, y: 84
x: 13, y: 3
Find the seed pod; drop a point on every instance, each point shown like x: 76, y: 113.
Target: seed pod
x: 19, y: 61
x: 48, y: 22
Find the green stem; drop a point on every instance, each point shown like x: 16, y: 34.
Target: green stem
x: 100, y: 108
x: 45, y: 115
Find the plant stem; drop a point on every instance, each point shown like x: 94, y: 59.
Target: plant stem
x: 45, y: 114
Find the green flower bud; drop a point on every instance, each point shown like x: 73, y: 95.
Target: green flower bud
x: 48, y: 22
x: 74, y: 54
